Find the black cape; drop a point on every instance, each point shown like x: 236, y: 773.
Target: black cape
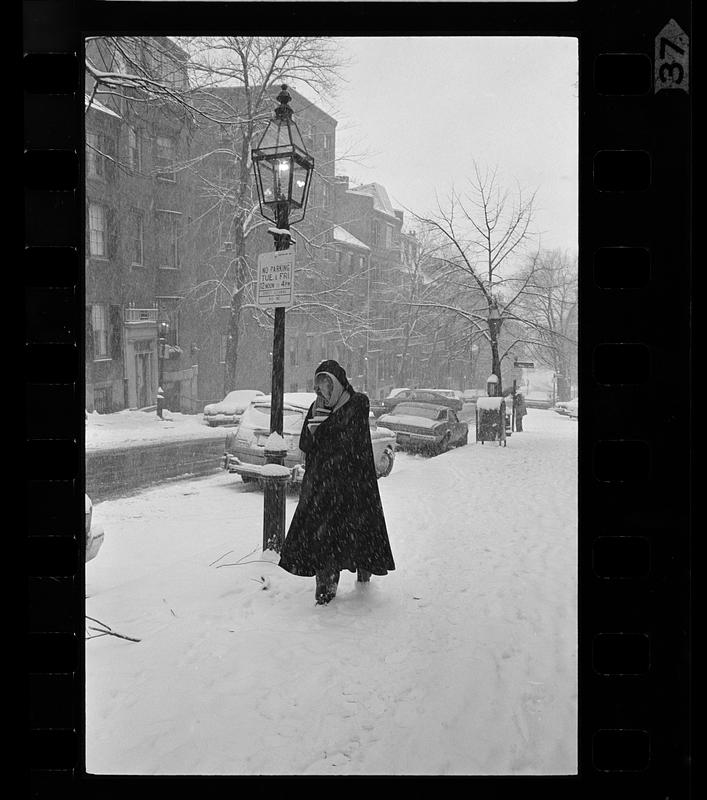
x: 338, y: 522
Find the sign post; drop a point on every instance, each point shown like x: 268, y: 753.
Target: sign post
x: 276, y: 289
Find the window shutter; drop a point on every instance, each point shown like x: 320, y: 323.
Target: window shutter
x: 89, y: 333
x: 116, y: 332
x: 111, y: 233
x: 110, y: 158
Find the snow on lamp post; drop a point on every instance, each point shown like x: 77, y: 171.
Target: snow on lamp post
x: 283, y: 173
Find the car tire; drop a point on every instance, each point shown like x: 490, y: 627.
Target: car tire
x: 211, y: 424
x: 387, y: 462
x: 443, y: 446
x: 464, y: 440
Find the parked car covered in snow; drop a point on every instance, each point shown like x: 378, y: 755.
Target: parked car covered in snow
x: 245, y: 448
x: 378, y: 407
x: 538, y: 400
x: 444, y: 397
x: 567, y: 408
x: 229, y: 410
x: 446, y: 392
x: 472, y: 395
x: 429, y: 427
x: 94, y: 531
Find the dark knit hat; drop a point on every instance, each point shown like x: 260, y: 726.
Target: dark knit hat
x: 335, y: 369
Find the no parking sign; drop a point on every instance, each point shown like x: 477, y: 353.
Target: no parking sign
x: 276, y: 279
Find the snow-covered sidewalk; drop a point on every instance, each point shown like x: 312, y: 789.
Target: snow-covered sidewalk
x: 462, y: 661
x: 130, y: 427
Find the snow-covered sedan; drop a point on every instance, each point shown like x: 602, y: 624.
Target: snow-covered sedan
x: 444, y: 397
x: 94, y: 531
x: 379, y: 407
x: 229, y: 410
x: 245, y: 448
x: 567, y: 408
x: 428, y: 427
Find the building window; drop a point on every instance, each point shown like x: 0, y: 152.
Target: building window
x: 99, y: 324
x: 375, y: 272
x: 137, y: 237
x: 329, y: 144
x: 168, y: 236
x: 97, y: 233
x: 165, y: 158
x: 325, y: 195
x: 388, y: 236
x: 99, y: 153
x: 134, y: 152
x: 375, y: 233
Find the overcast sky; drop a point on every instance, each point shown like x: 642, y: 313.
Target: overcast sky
x: 425, y: 107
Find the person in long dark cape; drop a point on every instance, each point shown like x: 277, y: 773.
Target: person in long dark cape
x: 338, y: 523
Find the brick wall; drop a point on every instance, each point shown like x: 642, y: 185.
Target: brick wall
x: 118, y: 471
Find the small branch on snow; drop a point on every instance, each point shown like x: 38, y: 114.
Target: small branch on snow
x: 110, y: 633
x: 223, y: 556
x: 104, y: 630
x: 240, y: 560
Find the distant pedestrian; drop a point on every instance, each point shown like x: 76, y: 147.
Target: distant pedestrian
x: 338, y: 523
x: 520, y: 410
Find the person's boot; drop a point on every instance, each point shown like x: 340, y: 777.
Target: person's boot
x: 327, y: 583
x: 363, y: 576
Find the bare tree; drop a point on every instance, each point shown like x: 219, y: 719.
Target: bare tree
x: 548, y: 309
x: 235, y: 76
x: 484, y: 235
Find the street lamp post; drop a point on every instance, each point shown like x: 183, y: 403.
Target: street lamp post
x: 283, y: 173
x: 494, y: 323
x: 162, y: 331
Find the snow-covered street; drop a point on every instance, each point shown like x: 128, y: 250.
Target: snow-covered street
x: 462, y: 661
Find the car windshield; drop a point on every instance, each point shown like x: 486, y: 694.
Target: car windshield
x: 412, y: 410
x: 259, y: 417
x: 240, y: 396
